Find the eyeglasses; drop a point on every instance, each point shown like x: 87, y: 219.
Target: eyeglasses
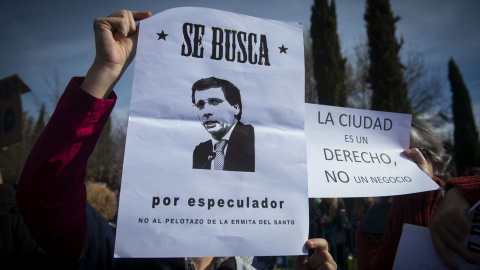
x: 211, y: 101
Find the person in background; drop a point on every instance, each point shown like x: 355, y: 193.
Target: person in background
x: 358, y: 208
x: 103, y: 200
x: 18, y: 249
x: 377, y: 251
x: 314, y: 216
x: 334, y: 220
x: 449, y: 225
x: 51, y: 193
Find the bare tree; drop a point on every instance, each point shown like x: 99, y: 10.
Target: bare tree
x: 423, y: 80
x: 424, y: 85
x: 359, y: 91
x: 55, y: 89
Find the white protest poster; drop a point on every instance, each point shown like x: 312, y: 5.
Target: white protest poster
x: 416, y: 251
x: 215, y: 157
x: 358, y: 153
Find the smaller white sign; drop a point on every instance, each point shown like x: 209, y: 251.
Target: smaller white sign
x: 358, y: 153
x: 416, y: 251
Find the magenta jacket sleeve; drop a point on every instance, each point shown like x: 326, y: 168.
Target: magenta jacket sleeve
x: 51, y: 191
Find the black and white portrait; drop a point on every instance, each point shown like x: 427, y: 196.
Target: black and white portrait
x: 232, y: 143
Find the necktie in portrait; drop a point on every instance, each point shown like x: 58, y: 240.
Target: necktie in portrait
x: 220, y: 156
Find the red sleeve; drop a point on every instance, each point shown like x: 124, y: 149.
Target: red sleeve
x: 417, y: 209
x: 469, y: 185
x: 51, y: 192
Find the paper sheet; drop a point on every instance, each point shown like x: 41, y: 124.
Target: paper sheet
x: 358, y: 153
x: 171, y: 203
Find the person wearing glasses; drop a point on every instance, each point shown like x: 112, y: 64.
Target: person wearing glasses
x: 232, y: 147
x: 379, y: 233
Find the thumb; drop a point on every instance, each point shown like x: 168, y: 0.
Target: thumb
x: 140, y: 15
x: 418, y: 158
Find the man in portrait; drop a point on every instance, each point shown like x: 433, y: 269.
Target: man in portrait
x: 232, y: 147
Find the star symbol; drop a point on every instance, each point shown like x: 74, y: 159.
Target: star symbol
x: 162, y: 35
x: 283, y: 49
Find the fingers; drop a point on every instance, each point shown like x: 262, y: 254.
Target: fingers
x: 301, y: 262
x: 119, y: 28
x: 452, y: 223
x: 415, y: 155
x: 115, y: 44
x: 460, y: 226
x: 321, y: 259
x: 318, y: 261
x: 442, y: 245
x: 126, y: 26
x: 446, y: 234
x: 419, y: 159
x: 449, y: 226
x: 137, y: 15
x: 442, y: 251
x: 140, y: 15
x: 123, y: 22
x: 317, y: 243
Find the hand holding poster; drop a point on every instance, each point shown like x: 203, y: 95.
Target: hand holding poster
x: 416, y: 251
x: 215, y: 158
x: 358, y: 153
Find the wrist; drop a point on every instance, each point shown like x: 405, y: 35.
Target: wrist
x: 469, y: 186
x: 456, y: 197
x: 101, y: 78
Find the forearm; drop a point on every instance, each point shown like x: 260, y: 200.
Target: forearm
x: 101, y: 78
x: 51, y: 192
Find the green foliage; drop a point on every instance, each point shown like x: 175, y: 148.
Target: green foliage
x: 329, y: 65
x: 467, y: 148
x: 385, y: 74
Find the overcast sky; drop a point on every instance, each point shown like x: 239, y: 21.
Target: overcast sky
x: 39, y: 38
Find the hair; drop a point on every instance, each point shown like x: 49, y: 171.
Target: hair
x: 230, y: 91
x: 360, y: 207
x: 334, y: 207
x: 423, y: 135
x: 102, y: 199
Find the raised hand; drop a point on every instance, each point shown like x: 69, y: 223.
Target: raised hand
x: 449, y: 226
x: 320, y: 260
x: 115, y: 44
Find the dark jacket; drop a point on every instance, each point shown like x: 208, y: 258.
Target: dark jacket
x: 240, y: 155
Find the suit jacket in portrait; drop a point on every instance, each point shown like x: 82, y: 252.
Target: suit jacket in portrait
x: 240, y: 155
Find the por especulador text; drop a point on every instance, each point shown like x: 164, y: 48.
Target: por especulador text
x: 211, y: 203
